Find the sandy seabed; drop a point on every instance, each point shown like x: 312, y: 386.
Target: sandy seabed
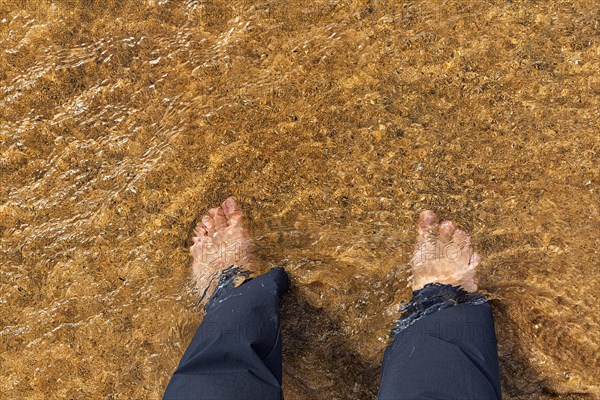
x: 334, y: 123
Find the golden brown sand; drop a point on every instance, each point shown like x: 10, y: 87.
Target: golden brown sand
x: 334, y: 123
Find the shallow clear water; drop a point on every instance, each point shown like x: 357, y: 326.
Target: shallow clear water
x: 334, y: 124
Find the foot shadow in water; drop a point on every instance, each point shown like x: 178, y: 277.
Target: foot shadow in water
x: 317, y: 364
x: 520, y: 379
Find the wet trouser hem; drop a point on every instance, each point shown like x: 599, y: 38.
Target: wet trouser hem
x: 236, y: 351
x: 449, y: 353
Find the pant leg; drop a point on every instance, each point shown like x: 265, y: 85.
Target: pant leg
x: 449, y: 354
x: 236, y: 352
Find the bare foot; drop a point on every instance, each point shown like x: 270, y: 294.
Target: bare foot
x: 221, y: 240
x: 443, y: 254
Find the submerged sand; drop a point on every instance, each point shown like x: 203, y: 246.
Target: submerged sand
x: 334, y: 123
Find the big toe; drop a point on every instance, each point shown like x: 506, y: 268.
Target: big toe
x: 474, y: 260
x: 235, y: 218
x: 428, y: 223
x: 230, y: 205
x: 233, y: 212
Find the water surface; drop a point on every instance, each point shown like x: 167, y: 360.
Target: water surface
x: 334, y: 123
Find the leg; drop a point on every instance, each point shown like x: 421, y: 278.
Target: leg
x: 445, y: 344
x: 236, y: 352
x: 450, y: 355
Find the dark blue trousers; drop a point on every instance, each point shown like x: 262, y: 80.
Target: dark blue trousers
x: 236, y: 352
